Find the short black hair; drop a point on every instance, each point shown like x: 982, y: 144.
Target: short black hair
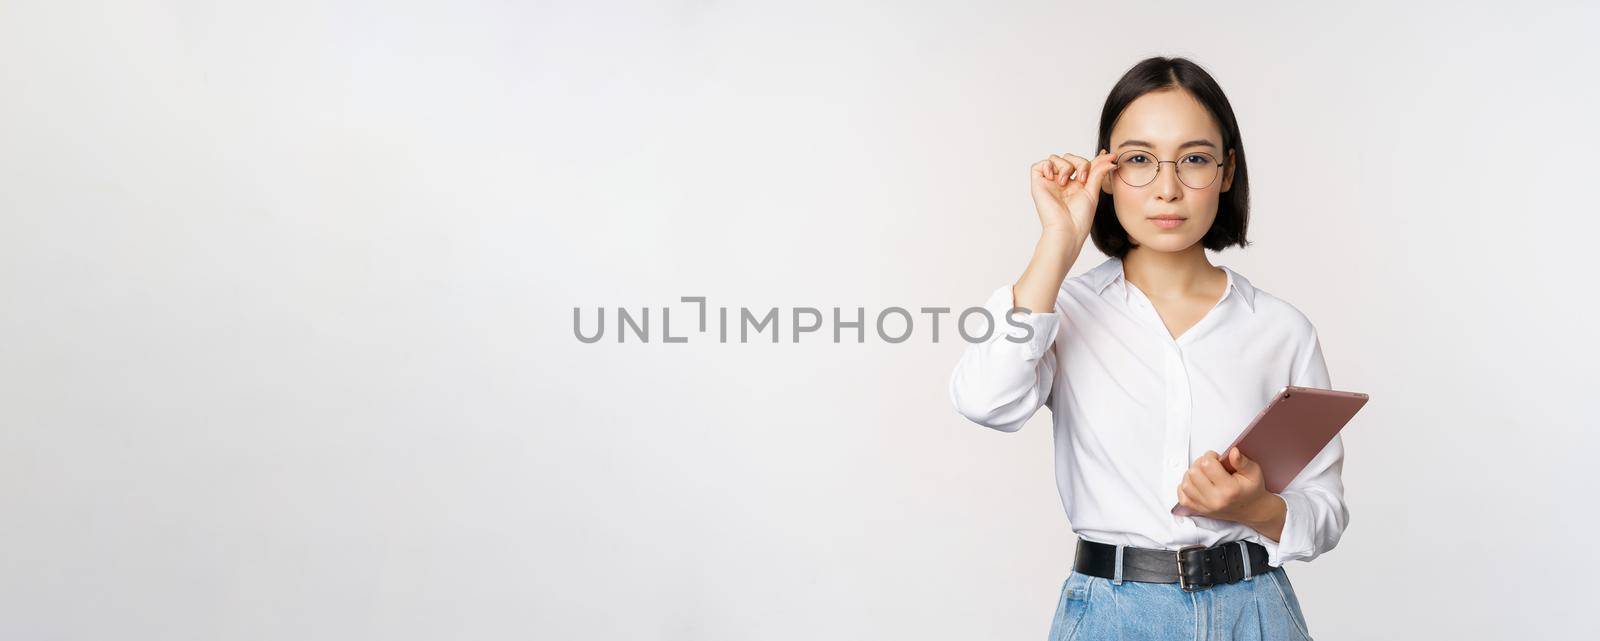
x: 1233, y: 207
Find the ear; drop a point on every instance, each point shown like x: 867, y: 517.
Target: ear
x: 1227, y: 172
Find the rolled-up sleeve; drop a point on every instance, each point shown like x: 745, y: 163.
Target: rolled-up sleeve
x: 1000, y: 382
x: 1316, y: 514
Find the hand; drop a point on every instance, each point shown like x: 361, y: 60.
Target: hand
x: 1240, y: 496
x: 1066, y: 191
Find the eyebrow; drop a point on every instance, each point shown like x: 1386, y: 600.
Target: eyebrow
x: 1192, y: 143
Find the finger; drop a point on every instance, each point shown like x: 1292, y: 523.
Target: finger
x: 1186, y: 499
x: 1048, y: 171
x: 1243, y: 464
x: 1066, y: 170
x: 1062, y: 168
x: 1080, y: 167
x: 1098, y: 170
x: 1211, y: 465
x: 1202, y: 484
x: 1230, y: 461
x: 1041, y: 169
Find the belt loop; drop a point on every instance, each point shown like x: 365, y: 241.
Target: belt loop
x: 1118, y: 578
x: 1244, y: 553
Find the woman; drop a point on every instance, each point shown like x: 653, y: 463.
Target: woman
x: 1149, y: 363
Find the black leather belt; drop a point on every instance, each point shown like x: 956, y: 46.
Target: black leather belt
x: 1193, y: 567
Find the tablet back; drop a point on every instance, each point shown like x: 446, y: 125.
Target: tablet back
x: 1293, y: 429
x: 1290, y: 431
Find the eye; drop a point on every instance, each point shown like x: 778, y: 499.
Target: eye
x: 1197, y: 159
x: 1136, y: 159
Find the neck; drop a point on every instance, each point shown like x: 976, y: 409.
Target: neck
x: 1162, y: 274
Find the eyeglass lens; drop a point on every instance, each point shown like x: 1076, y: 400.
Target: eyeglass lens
x: 1139, y: 168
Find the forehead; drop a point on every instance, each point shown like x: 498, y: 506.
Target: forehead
x: 1166, y: 119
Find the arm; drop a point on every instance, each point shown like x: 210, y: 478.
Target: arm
x: 1053, y: 257
x: 1314, y: 512
x: 1002, y: 382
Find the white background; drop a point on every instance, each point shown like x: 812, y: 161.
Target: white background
x: 286, y: 296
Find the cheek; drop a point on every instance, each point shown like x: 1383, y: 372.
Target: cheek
x: 1205, y: 207
x: 1127, y: 204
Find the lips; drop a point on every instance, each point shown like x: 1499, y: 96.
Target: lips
x: 1167, y: 221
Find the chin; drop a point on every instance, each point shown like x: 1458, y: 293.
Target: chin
x: 1165, y: 242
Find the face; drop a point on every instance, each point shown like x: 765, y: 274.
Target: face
x: 1157, y: 126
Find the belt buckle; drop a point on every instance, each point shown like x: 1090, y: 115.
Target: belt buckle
x: 1189, y: 587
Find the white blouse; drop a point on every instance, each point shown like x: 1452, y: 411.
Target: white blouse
x: 1132, y: 408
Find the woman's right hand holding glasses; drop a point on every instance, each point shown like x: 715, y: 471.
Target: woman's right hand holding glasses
x: 1066, y: 191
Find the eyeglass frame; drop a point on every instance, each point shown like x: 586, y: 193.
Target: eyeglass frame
x: 1160, y: 162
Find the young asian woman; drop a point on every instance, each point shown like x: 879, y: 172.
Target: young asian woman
x: 1150, y: 362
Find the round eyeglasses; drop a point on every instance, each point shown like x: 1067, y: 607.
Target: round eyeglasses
x: 1195, y: 169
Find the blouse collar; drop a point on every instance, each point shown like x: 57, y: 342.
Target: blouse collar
x: 1110, y: 271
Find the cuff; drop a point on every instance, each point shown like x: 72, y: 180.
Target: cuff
x: 1034, y: 332
x: 1293, y: 540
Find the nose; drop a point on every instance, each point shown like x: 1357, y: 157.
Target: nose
x: 1167, y: 186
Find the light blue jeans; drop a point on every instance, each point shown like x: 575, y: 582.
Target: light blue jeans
x: 1262, y: 607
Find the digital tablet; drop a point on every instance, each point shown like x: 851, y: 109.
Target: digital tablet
x: 1290, y: 431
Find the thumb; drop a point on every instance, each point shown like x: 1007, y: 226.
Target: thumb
x: 1097, y: 172
x: 1241, y: 463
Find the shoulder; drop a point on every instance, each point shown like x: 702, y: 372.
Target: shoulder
x: 1275, y: 312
